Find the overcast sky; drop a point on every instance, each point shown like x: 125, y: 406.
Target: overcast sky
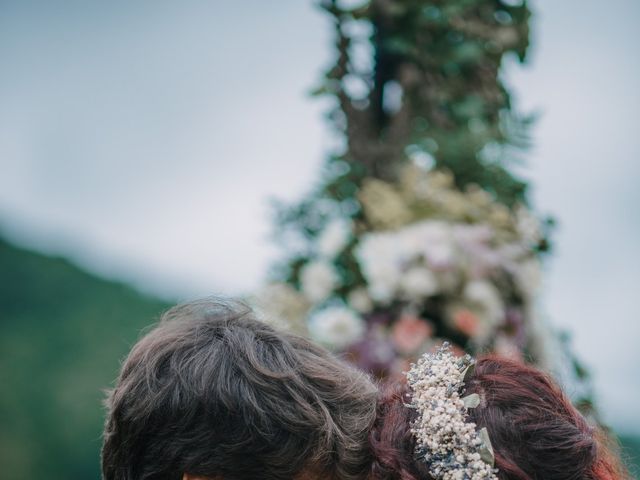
x: 144, y: 139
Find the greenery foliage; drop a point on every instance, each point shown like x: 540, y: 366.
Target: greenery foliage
x: 420, y: 78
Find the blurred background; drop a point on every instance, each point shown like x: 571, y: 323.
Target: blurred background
x: 141, y: 144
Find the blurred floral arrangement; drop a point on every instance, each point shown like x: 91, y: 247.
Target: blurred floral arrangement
x: 419, y: 230
x: 425, y: 262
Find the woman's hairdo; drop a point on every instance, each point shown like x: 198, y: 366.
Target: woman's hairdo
x: 535, y: 430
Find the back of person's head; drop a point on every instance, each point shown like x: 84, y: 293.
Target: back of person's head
x: 212, y: 392
x: 535, y: 431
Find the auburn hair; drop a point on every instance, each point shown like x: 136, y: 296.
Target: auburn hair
x: 535, y: 431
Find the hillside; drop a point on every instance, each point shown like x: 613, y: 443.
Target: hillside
x: 62, y: 334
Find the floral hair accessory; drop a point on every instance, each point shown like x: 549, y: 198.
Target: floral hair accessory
x: 451, y: 446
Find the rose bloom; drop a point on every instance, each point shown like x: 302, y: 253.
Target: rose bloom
x: 466, y: 321
x: 409, y: 333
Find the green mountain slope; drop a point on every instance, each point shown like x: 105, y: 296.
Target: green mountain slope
x: 62, y: 335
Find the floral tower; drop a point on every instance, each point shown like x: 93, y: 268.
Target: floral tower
x: 418, y: 230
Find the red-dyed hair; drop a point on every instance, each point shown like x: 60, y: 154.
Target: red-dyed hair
x: 535, y: 431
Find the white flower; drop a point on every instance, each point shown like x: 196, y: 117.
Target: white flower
x: 334, y: 237
x: 336, y: 327
x: 318, y: 279
x: 380, y: 261
x: 419, y: 282
x: 528, y: 277
x: 359, y: 300
x: 486, y: 296
x: 436, y: 243
x: 473, y: 235
x: 440, y: 256
x: 386, y: 257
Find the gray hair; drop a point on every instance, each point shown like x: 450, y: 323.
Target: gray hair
x: 211, y: 391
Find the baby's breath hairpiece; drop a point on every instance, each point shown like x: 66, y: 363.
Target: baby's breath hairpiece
x: 451, y: 447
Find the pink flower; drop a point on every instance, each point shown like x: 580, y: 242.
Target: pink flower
x: 466, y: 321
x: 409, y: 333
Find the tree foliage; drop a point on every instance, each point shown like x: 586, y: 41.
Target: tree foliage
x: 418, y: 80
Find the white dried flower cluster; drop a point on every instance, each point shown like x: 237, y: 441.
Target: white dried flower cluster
x: 449, y: 445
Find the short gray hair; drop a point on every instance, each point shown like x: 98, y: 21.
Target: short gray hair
x: 212, y: 391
